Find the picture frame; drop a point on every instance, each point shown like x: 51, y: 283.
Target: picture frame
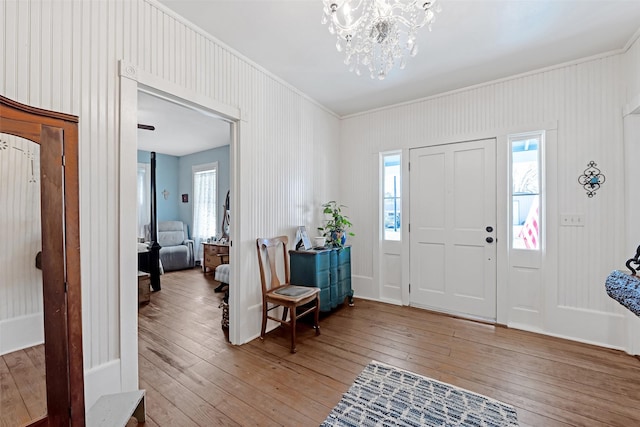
x: 302, y: 239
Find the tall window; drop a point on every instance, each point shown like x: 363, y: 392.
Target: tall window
x: 525, y: 195
x: 205, y: 196
x: 144, y: 196
x: 391, y: 190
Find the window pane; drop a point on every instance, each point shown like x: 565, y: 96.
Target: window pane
x: 391, y: 201
x: 525, y: 178
x: 205, y: 219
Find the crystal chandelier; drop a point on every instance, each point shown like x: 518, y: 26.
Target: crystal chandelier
x: 374, y: 34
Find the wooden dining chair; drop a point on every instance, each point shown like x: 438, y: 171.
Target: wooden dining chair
x: 297, y: 301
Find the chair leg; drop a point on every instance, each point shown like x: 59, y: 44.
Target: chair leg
x: 264, y: 319
x: 293, y: 330
x: 317, y: 316
x: 284, y: 313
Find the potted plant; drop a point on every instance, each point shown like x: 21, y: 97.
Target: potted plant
x: 335, y: 228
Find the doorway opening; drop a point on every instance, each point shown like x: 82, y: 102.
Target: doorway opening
x: 132, y: 83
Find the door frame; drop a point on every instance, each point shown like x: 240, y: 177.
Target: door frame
x: 502, y: 203
x: 131, y: 80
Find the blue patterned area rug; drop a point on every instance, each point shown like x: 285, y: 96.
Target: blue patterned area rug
x: 383, y: 395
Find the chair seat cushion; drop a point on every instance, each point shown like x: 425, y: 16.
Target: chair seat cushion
x: 222, y: 273
x: 175, y: 257
x: 293, y: 293
x: 625, y: 289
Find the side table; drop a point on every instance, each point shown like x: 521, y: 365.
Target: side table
x: 214, y: 254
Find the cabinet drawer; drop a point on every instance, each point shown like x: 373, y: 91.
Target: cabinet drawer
x: 318, y: 279
x: 344, y: 272
x: 214, y: 249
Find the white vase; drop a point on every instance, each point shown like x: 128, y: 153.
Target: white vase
x: 319, y: 242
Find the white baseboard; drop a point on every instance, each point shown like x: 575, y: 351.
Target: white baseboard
x: 21, y: 332
x: 587, y: 326
x: 101, y: 380
x: 363, y: 287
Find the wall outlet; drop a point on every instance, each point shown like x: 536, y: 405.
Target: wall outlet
x: 572, y: 220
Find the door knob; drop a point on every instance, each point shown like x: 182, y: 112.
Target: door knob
x: 489, y: 229
x: 489, y: 239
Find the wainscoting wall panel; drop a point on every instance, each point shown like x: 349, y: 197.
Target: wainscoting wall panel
x: 64, y: 55
x: 584, y: 99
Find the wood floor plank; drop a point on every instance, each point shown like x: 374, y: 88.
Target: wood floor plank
x: 280, y: 375
x: 282, y: 413
x: 30, y: 381
x: 512, y: 364
x: 217, y: 396
x: 524, y: 354
x: 13, y: 410
x: 199, y: 410
x: 162, y: 411
x: 551, y: 382
x: 279, y: 389
x: 492, y: 374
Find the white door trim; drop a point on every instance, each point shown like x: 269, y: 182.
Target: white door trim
x: 502, y: 197
x: 131, y: 80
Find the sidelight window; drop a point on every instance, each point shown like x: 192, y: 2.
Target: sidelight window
x: 391, y: 199
x: 526, y: 195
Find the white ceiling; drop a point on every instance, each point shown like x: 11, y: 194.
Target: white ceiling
x: 472, y: 42
x: 179, y: 129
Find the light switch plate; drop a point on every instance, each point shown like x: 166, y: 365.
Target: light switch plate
x: 572, y: 220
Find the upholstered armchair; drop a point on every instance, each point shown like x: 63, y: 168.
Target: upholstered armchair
x: 176, y: 251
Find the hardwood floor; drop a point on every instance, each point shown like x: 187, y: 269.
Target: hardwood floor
x: 193, y: 376
x: 22, y: 386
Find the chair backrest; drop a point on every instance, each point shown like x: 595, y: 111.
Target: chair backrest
x: 273, y: 261
x: 170, y: 233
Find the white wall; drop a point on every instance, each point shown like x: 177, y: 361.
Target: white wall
x: 632, y: 72
x: 584, y: 101
x: 63, y: 56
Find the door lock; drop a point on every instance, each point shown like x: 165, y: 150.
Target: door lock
x: 489, y: 229
x: 489, y: 239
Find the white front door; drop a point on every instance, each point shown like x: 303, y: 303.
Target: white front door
x: 452, y: 230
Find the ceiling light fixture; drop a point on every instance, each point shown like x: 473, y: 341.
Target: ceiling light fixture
x: 374, y: 34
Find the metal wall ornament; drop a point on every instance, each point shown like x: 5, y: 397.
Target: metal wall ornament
x: 635, y: 260
x: 591, y: 179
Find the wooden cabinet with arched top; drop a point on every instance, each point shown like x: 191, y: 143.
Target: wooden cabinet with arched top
x: 50, y: 140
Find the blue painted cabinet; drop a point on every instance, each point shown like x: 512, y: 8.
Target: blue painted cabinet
x: 327, y: 269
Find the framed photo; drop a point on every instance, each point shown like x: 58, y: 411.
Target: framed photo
x: 302, y: 239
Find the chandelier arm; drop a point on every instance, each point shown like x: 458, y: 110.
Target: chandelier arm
x: 351, y: 27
